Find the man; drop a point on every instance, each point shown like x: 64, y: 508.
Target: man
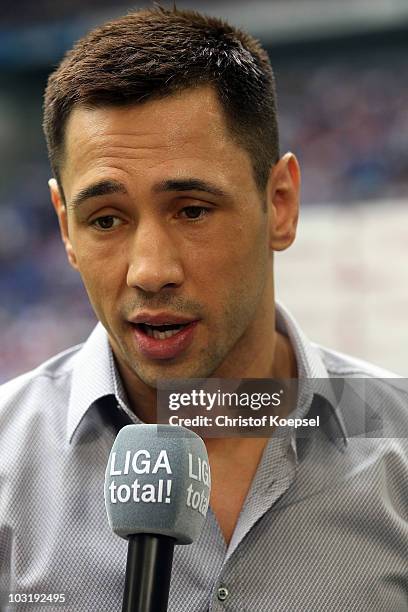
x: 172, y: 197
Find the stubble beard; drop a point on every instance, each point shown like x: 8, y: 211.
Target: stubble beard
x: 239, y: 315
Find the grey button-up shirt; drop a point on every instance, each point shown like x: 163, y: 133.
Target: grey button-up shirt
x: 324, y: 525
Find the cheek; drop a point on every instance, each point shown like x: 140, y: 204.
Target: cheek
x: 234, y: 256
x: 103, y: 270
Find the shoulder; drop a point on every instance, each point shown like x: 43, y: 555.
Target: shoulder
x: 33, y: 415
x: 375, y: 392
x: 37, y: 386
x: 341, y: 364
x: 57, y: 366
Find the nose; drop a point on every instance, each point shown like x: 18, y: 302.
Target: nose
x: 155, y: 260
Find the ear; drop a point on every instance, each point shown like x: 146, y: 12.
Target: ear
x: 61, y: 211
x: 283, y: 191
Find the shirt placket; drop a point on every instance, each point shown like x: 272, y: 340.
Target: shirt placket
x: 274, y: 476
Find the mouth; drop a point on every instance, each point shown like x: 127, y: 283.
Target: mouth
x: 160, y: 332
x: 164, y: 340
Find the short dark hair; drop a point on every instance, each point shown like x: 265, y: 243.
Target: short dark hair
x: 152, y: 53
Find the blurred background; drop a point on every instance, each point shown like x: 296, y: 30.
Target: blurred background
x: 342, y: 78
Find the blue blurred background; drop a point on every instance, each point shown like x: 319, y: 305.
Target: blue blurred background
x: 342, y: 79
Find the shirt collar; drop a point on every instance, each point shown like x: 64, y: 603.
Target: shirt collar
x: 95, y: 375
x: 315, y: 385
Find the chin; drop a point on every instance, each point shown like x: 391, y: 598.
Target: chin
x: 152, y: 379
x: 151, y: 376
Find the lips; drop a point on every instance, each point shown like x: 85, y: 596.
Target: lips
x: 162, y: 336
x: 160, y: 319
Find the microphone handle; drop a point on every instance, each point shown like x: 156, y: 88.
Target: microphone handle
x: 148, y: 573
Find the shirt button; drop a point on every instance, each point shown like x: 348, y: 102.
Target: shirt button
x: 222, y: 593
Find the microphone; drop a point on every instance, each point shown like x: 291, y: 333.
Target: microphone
x: 157, y: 492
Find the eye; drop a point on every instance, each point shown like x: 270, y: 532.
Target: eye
x: 195, y: 213
x: 106, y: 223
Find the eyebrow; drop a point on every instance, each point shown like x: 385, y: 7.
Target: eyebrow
x: 191, y: 184
x: 101, y: 188
x: 108, y: 187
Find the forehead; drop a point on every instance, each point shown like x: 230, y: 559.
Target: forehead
x: 187, y: 128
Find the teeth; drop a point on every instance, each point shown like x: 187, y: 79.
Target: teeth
x: 159, y: 335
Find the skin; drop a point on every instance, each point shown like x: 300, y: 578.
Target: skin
x: 155, y: 257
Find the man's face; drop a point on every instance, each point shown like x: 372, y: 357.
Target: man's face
x: 166, y: 226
